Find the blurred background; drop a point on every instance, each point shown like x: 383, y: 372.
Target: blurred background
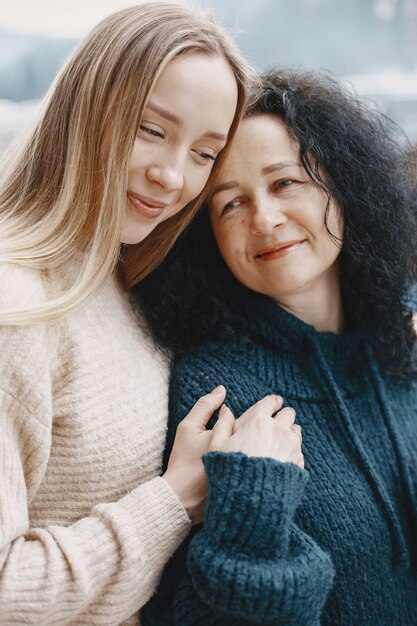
x: 371, y: 44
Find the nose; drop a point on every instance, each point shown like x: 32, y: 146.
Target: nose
x: 267, y: 215
x: 167, y: 174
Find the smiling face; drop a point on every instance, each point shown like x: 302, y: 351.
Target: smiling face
x: 183, y: 128
x: 268, y: 216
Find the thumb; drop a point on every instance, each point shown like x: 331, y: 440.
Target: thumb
x: 204, y: 408
x: 223, y: 429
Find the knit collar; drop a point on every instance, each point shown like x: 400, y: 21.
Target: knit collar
x: 261, y: 318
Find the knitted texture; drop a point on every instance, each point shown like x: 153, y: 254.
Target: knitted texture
x: 274, y: 544
x: 86, y: 524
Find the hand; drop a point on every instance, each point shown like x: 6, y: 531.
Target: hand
x: 263, y: 430
x: 185, y: 472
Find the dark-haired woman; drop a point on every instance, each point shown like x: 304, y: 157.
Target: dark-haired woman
x: 296, y: 281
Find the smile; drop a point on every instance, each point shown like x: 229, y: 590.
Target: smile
x: 145, y: 206
x: 275, y: 252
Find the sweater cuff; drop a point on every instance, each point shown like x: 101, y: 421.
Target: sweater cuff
x: 252, y: 501
x: 159, y: 517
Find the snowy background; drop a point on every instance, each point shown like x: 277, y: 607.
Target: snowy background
x: 372, y: 44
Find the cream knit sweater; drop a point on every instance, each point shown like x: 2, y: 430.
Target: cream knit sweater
x: 86, y: 524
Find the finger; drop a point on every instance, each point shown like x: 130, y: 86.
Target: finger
x: 267, y: 406
x: 286, y: 416
x: 296, y: 429
x: 223, y: 428
x: 204, y: 408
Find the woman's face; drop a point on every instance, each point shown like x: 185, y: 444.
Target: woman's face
x: 184, y: 127
x: 268, y: 216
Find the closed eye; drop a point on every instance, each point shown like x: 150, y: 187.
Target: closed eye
x: 209, y: 157
x: 204, y: 156
x: 150, y: 131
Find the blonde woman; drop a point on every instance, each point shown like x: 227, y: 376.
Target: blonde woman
x: 124, y: 152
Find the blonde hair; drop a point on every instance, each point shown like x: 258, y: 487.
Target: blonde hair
x: 63, y: 194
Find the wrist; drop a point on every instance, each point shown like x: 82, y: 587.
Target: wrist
x: 184, y: 489
x: 252, y: 500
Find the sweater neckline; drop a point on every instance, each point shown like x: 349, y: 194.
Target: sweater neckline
x: 262, y: 318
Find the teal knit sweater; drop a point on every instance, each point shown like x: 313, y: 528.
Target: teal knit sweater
x: 334, y: 544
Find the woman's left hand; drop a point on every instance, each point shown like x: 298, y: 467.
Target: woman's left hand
x: 265, y: 429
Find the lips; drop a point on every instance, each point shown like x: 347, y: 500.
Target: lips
x: 277, y: 250
x: 145, y: 206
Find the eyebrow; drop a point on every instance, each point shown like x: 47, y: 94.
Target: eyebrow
x: 165, y: 114
x: 278, y: 166
x: 266, y: 170
x: 171, y: 117
x: 224, y: 187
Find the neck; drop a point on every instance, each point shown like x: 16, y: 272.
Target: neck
x: 319, y: 305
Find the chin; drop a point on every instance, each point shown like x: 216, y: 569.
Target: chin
x: 131, y: 238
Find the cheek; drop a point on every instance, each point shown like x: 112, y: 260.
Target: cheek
x: 335, y: 221
x: 336, y: 227
x: 327, y: 248
x: 231, y: 239
x: 195, y: 181
x: 137, y: 158
x: 233, y: 253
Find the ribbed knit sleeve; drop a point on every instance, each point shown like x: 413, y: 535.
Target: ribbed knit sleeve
x: 102, y: 568
x: 250, y: 563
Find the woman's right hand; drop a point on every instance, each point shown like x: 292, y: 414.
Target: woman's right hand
x: 185, y: 472
x: 265, y: 429
x: 255, y: 433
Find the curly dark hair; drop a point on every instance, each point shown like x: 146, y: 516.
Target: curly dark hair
x: 357, y: 155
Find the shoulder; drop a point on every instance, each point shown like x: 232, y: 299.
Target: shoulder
x: 201, y: 365
x: 226, y: 362
x: 21, y: 286
x: 25, y: 349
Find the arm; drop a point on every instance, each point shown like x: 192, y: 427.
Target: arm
x: 249, y: 563
x: 107, y: 564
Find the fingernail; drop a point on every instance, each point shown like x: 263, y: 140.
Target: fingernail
x: 222, y: 410
x: 218, y: 389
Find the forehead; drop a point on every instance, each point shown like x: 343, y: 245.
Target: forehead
x: 260, y: 141
x: 200, y: 89
x: 196, y: 71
